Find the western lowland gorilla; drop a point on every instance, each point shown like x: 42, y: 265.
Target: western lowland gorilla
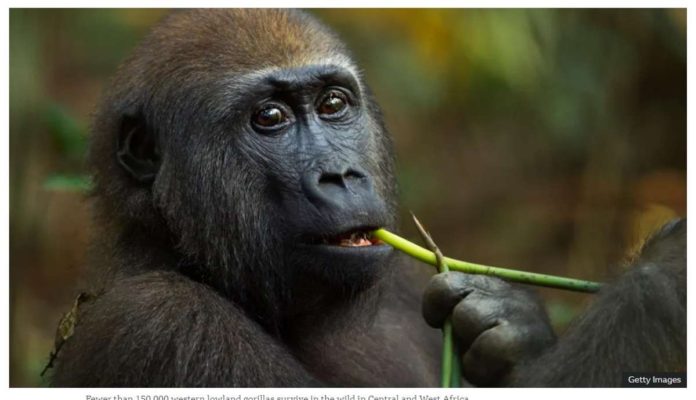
x: 239, y: 163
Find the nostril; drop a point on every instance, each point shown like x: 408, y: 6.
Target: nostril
x: 334, y: 178
x: 331, y: 178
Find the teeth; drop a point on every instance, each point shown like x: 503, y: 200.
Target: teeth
x: 354, y: 239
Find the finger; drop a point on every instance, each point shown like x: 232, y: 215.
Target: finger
x: 443, y: 292
x: 491, y: 357
x: 473, y: 315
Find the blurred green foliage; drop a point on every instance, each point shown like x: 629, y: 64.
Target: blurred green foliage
x: 72, y: 140
x: 67, y: 131
x: 558, y: 137
x: 67, y: 182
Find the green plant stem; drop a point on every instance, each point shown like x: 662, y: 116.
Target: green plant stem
x: 531, y: 278
x: 447, y: 354
x: 456, y: 380
x: 451, y: 368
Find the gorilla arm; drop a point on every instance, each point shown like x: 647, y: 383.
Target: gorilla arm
x: 161, y: 329
x: 637, y: 324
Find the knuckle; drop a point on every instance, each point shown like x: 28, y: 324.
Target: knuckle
x: 469, y: 320
x: 470, y: 309
x: 481, y: 307
x: 438, y: 284
x: 441, y: 294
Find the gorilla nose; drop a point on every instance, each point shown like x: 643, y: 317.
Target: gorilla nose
x: 339, y: 187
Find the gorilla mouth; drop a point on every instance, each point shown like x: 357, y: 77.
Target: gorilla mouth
x: 361, y: 237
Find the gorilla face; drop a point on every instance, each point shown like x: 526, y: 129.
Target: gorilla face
x: 308, y: 134
x: 265, y: 179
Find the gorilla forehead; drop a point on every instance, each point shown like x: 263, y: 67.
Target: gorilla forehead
x: 240, y: 41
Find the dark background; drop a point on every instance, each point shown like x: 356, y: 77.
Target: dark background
x: 545, y: 140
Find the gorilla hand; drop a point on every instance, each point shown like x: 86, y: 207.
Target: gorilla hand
x: 496, y: 325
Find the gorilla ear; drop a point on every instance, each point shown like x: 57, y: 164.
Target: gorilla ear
x: 138, y: 150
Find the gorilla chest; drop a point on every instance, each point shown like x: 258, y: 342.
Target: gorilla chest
x: 384, y: 354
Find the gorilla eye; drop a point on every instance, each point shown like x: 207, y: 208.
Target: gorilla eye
x: 270, y: 117
x: 333, y: 103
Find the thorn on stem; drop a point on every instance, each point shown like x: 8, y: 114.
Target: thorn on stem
x: 441, y: 265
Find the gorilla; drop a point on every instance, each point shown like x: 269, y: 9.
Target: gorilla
x: 240, y: 163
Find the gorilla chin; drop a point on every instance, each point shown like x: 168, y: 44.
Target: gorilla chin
x: 344, y: 258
